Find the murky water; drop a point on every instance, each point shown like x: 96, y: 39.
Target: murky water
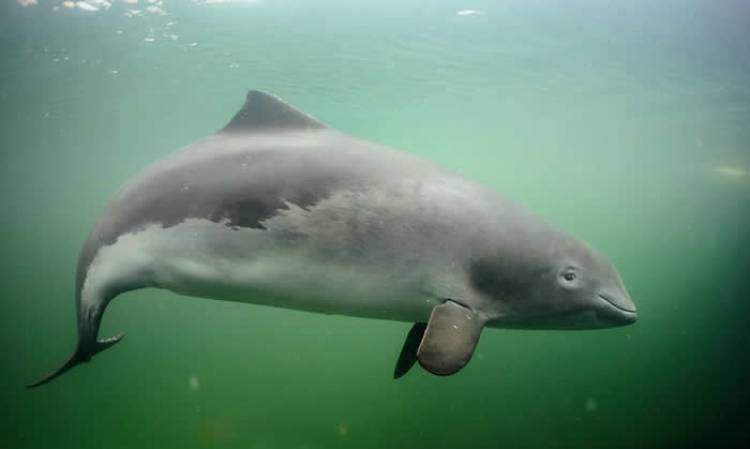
x: 622, y: 122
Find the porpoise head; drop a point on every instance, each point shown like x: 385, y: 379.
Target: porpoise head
x: 531, y: 276
x: 562, y: 283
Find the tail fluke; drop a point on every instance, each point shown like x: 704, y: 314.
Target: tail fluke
x: 81, y: 354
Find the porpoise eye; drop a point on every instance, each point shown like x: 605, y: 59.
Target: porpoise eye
x: 569, y: 279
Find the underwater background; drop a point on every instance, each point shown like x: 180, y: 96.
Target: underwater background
x: 626, y: 123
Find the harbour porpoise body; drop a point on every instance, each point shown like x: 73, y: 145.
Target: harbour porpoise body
x: 279, y: 209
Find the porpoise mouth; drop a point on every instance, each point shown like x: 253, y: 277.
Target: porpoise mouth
x: 617, y: 306
x: 620, y: 312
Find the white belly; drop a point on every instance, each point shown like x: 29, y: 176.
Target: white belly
x: 207, y: 259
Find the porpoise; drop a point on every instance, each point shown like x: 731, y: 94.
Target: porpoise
x: 279, y: 209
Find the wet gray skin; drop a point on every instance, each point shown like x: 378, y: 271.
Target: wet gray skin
x: 281, y: 210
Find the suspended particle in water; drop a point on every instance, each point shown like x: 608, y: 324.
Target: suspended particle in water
x: 194, y: 383
x: 343, y: 430
x: 730, y: 171
x: 591, y: 405
x: 468, y: 12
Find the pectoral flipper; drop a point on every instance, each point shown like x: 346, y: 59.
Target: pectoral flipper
x: 446, y: 343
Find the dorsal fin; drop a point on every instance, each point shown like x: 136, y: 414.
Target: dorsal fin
x: 263, y: 111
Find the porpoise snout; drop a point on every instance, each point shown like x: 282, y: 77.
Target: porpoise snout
x: 619, y: 308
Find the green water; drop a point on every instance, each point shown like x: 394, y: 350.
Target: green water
x: 624, y: 122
